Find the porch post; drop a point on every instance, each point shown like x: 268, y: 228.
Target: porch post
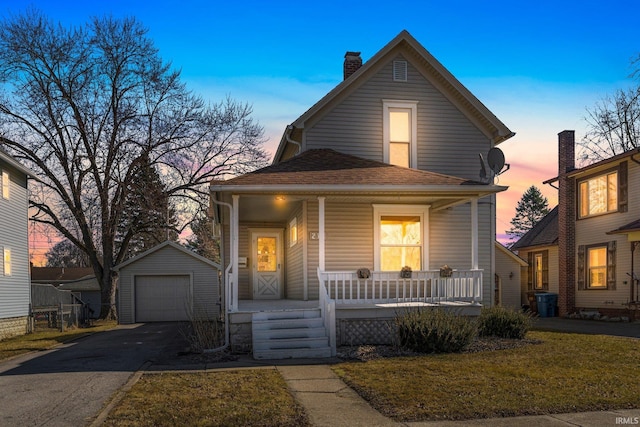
x: 321, y: 233
x: 235, y: 230
x: 474, y: 234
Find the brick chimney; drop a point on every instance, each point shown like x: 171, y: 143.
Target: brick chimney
x: 352, y: 62
x: 566, y: 223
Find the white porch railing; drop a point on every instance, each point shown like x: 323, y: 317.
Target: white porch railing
x: 344, y: 287
x: 328, y: 313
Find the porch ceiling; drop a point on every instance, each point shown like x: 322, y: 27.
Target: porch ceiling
x: 280, y: 207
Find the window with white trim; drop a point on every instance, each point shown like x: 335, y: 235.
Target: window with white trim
x: 293, y: 232
x: 7, y: 261
x: 400, y: 133
x: 400, y: 237
x: 5, y: 185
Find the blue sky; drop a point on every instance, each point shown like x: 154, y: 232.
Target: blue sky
x: 535, y: 65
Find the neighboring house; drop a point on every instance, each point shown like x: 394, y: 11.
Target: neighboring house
x: 81, y: 281
x: 598, y: 232
x: 507, y: 278
x: 539, y: 246
x: 15, y: 295
x: 168, y: 283
x: 381, y: 173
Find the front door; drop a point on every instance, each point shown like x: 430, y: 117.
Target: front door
x: 266, y: 264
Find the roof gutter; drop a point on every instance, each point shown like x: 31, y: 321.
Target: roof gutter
x: 287, y: 136
x: 355, y: 188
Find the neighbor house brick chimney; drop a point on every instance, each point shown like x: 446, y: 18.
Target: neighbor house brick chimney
x: 566, y: 223
x: 352, y: 62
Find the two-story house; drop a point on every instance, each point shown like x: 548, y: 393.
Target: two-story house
x: 15, y: 290
x: 598, y: 232
x: 374, y: 202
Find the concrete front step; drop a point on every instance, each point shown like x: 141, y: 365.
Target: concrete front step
x: 275, y: 334
x: 289, y: 343
x: 284, y: 334
x: 287, y: 314
x: 297, y: 323
x: 293, y: 353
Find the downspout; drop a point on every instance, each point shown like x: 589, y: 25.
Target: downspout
x: 226, y: 289
x: 287, y: 136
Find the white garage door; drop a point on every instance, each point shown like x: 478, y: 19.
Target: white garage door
x: 162, y: 298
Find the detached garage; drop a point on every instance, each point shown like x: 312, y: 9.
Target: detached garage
x: 168, y: 283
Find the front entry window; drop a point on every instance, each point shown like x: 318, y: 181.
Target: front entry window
x: 267, y: 258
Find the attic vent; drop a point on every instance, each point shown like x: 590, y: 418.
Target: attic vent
x: 399, y: 71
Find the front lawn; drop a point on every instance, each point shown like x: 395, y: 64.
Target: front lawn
x: 248, y: 398
x: 565, y: 373
x: 44, y: 340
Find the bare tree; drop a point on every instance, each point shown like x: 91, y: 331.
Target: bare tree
x: 84, y: 106
x: 613, y: 124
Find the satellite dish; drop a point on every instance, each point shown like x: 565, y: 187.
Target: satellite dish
x: 495, y: 158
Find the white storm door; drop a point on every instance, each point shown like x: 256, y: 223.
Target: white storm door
x: 266, y: 264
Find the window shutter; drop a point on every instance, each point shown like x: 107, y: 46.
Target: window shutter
x: 581, y: 271
x: 611, y: 265
x: 545, y: 270
x: 623, y: 188
x: 400, y: 71
x: 530, y: 271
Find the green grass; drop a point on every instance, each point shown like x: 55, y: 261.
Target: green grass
x: 565, y: 373
x: 44, y: 340
x: 228, y: 398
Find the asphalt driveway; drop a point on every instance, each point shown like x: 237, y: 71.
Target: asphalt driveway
x: 69, y: 385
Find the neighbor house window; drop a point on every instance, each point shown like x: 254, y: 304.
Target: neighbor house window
x: 293, y: 232
x: 7, y: 262
x: 598, y: 195
x: 597, y: 266
x: 538, y: 270
x: 5, y: 185
x: 400, y: 235
x: 400, y: 133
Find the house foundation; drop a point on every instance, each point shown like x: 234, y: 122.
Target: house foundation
x: 14, y: 326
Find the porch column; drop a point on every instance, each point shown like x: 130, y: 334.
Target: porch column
x: 474, y: 234
x: 321, y: 233
x: 235, y: 230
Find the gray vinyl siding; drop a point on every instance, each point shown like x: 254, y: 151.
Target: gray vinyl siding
x: 313, y: 249
x: 15, y: 294
x: 510, y: 295
x: 593, y: 230
x: 447, y: 141
x: 294, y: 282
x: 170, y: 261
x: 349, y: 236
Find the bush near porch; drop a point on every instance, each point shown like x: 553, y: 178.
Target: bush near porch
x: 564, y: 373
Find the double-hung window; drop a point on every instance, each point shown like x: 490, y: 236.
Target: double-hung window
x: 400, y: 133
x: 7, y: 261
x: 400, y: 236
x: 597, y: 267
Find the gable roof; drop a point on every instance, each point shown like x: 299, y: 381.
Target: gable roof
x: 6, y: 157
x: 329, y: 170
x: 544, y: 233
x: 510, y: 254
x: 162, y: 245
x: 432, y: 69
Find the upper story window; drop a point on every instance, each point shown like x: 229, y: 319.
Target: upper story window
x: 400, y: 133
x: 5, y: 185
x: 598, y: 195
